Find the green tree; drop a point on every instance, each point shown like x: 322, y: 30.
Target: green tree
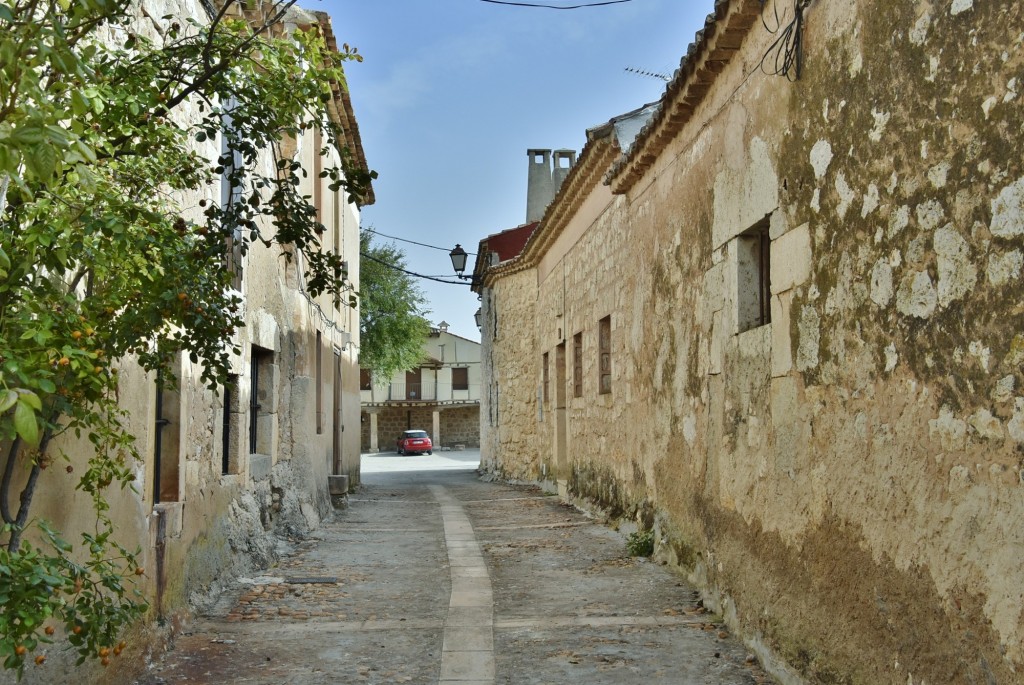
x: 109, y: 143
x: 392, y: 323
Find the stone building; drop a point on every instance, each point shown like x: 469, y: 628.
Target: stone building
x: 227, y: 470
x: 441, y: 396
x: 782, y: 326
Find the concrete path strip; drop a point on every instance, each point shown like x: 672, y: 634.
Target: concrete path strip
x: 467, y: 654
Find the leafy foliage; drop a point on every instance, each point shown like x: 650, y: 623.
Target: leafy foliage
x: 392, y: 327
x: 115, y: 243
x: 640, y: 543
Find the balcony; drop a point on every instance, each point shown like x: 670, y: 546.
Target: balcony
x: 442, y: 393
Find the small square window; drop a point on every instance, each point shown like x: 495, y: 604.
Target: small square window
x: 460, y: 379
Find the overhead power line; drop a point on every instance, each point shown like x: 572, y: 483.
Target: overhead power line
x: 555, y: 7
x: 411, y: 273
x: 413, y: 242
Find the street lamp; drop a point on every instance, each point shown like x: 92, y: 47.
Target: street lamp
x: 477, y: 317
x: 458, y: 256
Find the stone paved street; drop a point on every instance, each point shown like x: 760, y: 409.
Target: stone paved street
x: 432, y: 576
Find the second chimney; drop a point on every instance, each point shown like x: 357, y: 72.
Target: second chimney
x: 544, y: 181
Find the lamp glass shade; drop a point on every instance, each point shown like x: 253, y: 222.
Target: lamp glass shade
x: 458, y: 256
x: 477, y: 317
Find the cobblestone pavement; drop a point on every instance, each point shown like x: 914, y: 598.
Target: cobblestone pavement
x: 432, y: 576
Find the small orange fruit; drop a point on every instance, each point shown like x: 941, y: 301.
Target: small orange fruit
x: 50, y: 629
x: 77, y: 630
x: 122, y: 645
x: 104, y: 651
x: 105, y: 661
x: 139, y: 571
x: 40, y: 659
x: 76, y: 334
x: 20, y: 650
x: 63, y: 361
x: 182, y: 296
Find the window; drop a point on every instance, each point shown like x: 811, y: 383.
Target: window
x: 230, y: 436
x: 604, y: 346
x: 167, y: 438
x: 261, y: 401
x: 577, y: 365
x: 365, y: 382
x: 544, y: 379
x: 460, y: 379
x: 753, y: 284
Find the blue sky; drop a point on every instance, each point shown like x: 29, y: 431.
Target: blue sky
x: 451, y: 94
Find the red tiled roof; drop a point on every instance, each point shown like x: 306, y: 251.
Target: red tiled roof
x: 510, y: 243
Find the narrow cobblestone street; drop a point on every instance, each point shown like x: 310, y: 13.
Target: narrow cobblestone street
x: 433, y: 576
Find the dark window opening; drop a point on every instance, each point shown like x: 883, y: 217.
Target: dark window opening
x: 577, y: 365
x: 753, y: 265
x: 604, y: 338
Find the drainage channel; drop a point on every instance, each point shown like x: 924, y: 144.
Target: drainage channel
x: 467, y: 655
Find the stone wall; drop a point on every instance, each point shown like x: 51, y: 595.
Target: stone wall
x: 845, y: 481
x: 459, y: 425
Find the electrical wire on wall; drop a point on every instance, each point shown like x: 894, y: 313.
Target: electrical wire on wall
x: 785, y: 56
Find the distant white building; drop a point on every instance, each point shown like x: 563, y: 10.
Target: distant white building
x: 440, y: 396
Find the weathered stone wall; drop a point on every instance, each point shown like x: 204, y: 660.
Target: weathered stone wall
x: 460, y: 426
x: 846, y: 481
x: 508, y: 407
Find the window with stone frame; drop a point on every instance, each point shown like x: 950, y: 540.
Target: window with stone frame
x: 544, y: 379
x: 261, y: 400
x: 604, y: 349
x: 232, y: 428
x: 577, y: 365
x: 460, y: 378
x: 753, y: 282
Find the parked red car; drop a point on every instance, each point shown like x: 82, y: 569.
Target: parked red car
x: 415, y: 442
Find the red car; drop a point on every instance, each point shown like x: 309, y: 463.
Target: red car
x: 415, y: 442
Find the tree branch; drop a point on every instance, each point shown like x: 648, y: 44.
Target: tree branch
x: 5, y: 485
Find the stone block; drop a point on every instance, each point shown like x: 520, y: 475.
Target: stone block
x: 173, y: 515
x: 338, y: 485
x: 791, y: 259
x: 260, y: 466
x: 782, y: 343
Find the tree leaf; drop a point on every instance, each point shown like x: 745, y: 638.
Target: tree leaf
x: 42, y: 161
x: 25, y: 423
x: 31, y: 399
x: 7, y: 400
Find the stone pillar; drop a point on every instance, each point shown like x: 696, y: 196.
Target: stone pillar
x: 374, y: 445
x: 436, y: 435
